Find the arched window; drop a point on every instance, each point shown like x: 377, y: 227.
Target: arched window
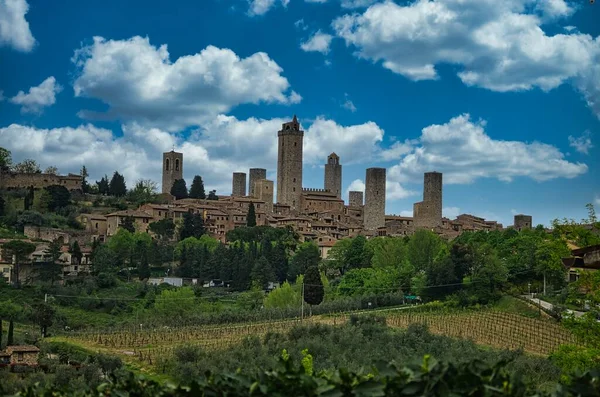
x: 295, y: 143
x: 96, y: 225
x: 176, y: 164
x: 167, y: 165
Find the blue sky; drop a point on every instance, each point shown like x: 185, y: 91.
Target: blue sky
x: 502, y: 97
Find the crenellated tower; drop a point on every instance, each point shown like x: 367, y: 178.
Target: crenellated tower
x: 289, y: 164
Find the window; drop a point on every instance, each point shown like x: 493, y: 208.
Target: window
x: 167, y: 165
x: 96, y: 225
x: 176, y: 164
x: 295, y: 143
x: 294, y: 179
x: 294, y: 189
x: 20, y: 357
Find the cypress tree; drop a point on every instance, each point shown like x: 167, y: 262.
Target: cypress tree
x: 117, y: 185
x: 313, y: 286
x: 179, y: 189
x: 197, y: 189
x: 251, y: 217
x: 11, y: 329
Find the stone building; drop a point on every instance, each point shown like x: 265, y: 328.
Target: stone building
x: 256, y: 174
x: 20, y: 355
x: 141, y: 220
x: 289, y: 164
x: 522, y: 222
x: 17, y: 180
x: 263, y: 190
x: 428, y: 213
x: 374, y: 210
x: 318, y: 200
x: 355, y: 199
x: 172, y: 169
x: 238, y: 187
x: 94, y: 224
x: 333, y: 175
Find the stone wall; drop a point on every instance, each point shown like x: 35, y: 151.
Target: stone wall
x: 263, y: 188
x: 523, y: 222
x: 172, y: 169
x: 333, y: 175
x: 50, y: 234
x: 289, y: 165
x: 238, y: 187
x: 14, y: 180
x: 374, y: 211
x: 256, y: 174
x: 355, y: 199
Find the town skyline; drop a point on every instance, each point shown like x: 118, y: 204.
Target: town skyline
x: 497, y: 159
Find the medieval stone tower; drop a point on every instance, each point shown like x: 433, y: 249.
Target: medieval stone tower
x: 333, y: 175
x: 263, y: 188
x: 238, y: 186
x: 523, y: 222
x: 427, y: 214
x: 374, y: 210
x: 172, y: 169
x: 256, y: 174
x: 289, y: 164
x: 355, y: 199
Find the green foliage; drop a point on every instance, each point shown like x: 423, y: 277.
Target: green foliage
x: 284, y: 296
x: 262, y: 272
x: 251, y: 218
x: 103, y: 186
x: 357, y: 282
x: 43, y: 315
x: 128, y: 224
x: 306, y: 255
x: 197, y: 189
x: 314, y: 292
x: 176, y: 304
x: 117, y: 185
x: 212, y: 195
x: 423, y: 248
x: 27, y: 166
x: 179, y: 189
x: 59, y: 197
x: 144, y: 192
x: 193, y: 226
x: 164, y: 229
x: 20, y: 250
x: 5, y: 159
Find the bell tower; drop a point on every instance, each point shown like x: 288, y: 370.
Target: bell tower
x: 289, y: 164
x: 172, y: 169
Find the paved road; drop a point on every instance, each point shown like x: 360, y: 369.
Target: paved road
x: 549, y: 306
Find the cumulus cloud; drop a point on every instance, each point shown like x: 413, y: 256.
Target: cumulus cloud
x: 356, y: 3
x: 393, y: 190
x: 348, y: 104
x: 356, y: 185
x: 14, y: 28
x: 463, y: 151
x: 451, y: 212
x: 219, y: 147
x: 582, y: 144
x: 38, y: 97
x: 397, y: 150
x: 139, y: 82
x: 497, y: 45
x: 318, y: 42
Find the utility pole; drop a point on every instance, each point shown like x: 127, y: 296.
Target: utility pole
x: 302, y: 318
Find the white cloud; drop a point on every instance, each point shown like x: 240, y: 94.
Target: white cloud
x: 38, y: 97
x: 318, y: 42
x: 261, y: 7
x: 354, y: 144
x: 316, y: 1
x: 464, y: 152
x: 14, y: 28
x: 139, y: 82
x: 395, y: 191
x: 348, y: 104
x: 514, y: 212
x: 496, y: 45
x: 356, y: 3
x: 582, y: 144
x: 597, y: 200
x: 299, y: 24
x: 215, y: 150
x: 407, y: 213
x: 451, y: 212
x: 356, y: 185
x: 397, y: 150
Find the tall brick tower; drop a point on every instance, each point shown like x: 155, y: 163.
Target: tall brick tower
x: 256, y: 174
x: 333, y: 175
x: 289, y: 164
x: 374, y: 210
x: 172, y: 169
x: 238, y: 185
x: 427, y: 214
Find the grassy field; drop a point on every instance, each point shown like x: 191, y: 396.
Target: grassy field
x: 500, y: 328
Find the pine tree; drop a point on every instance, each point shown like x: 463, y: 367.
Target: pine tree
x: 198, y: 229
x: 262, y: 272
x: 313, y: 286
x: 103, y: 186
x: 85, y: 187
x: 197, y: 189
x: 251, y: 218
x: 179, y: 189
x: 10, y: 340
x: 117, y: 185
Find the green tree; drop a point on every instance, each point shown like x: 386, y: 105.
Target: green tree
x: 5, y: 160
x: 164, y: 229
x: 387, y: 252
x: 60, y: 197
x: 357, y: 255
x: 117, y: 186
x: 20, y: 251
x: 262, y: 273
x: 51, y: 170
x: 549, y: 266
x: 423, y: 247
x: 104, y: 260
x: 314, y: 292
x: 143, y: 192
x: 212, y: 195
x: 284, y: 296
x: 2, y: 206
x: 103, y: 186
x: 193, y: 226
x: 43, y: 315
x: 85, y: 187
x: 251, y: 218
x: 76, y: 253
x: 306, y: 255
x: 197, y: 189
x: 179, y: 189
x: 121, y: 245
x: 176, y: 305
x: 8, y: 311
x: 128, y: 224
x: 27, y: 166
x: 141, y: 254
x: 28, y: 199
x: 279, y: 261
x: 53, y: 269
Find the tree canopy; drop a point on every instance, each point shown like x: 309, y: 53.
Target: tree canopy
x: 197, y: 189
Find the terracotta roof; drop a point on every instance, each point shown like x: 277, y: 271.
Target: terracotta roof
x: 94, y: 216
x: 135, y: 214
x: 24, y: 348
x: 326, y: 243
